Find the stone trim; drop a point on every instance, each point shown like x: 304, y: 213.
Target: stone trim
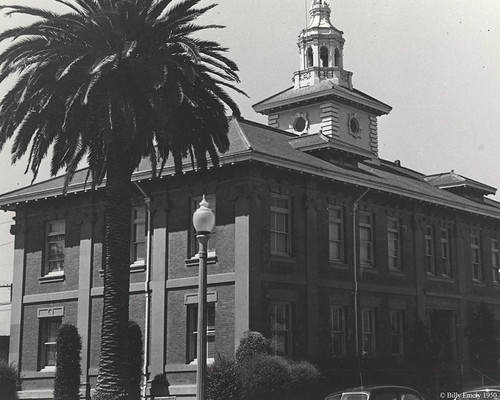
x: 192, y: 298
x: 50, y: 312
x: 374, y: 134
x: 330, y: 119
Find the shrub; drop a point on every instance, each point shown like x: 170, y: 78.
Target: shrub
x: 68, y: 369
x: 264, y: 377
x: 252, y: 343
x: 8, y: 382
x: 135, y: 360
x: 304, y: 381
x: 159, y: 385
x: 223, y: 381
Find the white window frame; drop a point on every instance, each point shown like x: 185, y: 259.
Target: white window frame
x: 368, y: 227
x: 193, y: 242
x: 396, y: 326
x: 138, y: 240
x: 394, y: 234
x: 368, y: 331
x: 430, y: 265
x: 281, y: 331
x: 54, y: 237
x: 336, y: 222
x: 192, y: 333
x: 495, y: 260
x: 475, y: 246
x: 444, y: 238
x: 287, y: 233
x: 338, y: 330
x: 48, y: 343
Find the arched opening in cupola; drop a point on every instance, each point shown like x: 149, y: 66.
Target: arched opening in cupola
x: 309, y: 57
x: 323, y: 56
x: 337, y: 57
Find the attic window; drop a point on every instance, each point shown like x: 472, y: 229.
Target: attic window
x: 323, y: 55
x: 299, y: 124
x: 309, y: 57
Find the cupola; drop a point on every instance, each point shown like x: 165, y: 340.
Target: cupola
x: 321, y: 47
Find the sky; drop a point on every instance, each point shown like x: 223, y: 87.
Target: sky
x: 436, y: 62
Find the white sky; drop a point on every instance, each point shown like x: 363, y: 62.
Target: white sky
x: 436, y: 62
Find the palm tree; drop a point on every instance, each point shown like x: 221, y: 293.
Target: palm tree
x: 115, y: 81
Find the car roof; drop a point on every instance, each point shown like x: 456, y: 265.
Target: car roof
x: 370, y: 388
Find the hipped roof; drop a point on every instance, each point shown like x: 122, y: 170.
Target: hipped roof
x: 251, y: 141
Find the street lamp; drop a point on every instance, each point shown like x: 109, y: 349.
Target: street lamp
x: 203, y: 221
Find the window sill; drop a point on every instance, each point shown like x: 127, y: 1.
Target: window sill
x: 496, y: 285
x: 47, y: 372
x: 195, y: 260
x: 368, y: 268
x: 478, y: 283
x: 139, y: 266
x: 51, y: 277
x: 436, y: 278
x: 282, y: 257
x: 338, y: 264
x: 396, y: 272
x: 210, y: 361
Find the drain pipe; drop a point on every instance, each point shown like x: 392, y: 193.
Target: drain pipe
x: 355, y: 267
x: 147, y: 283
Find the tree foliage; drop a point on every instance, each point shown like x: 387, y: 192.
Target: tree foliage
x: 251, y: 344
x: 8, y: 382
x: 483, y: 346
x: 68, y: 365
x: 115, y: 81
x: 136, y: 359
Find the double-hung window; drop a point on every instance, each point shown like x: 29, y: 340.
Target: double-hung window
x: 138, y: 239
x: 445, y: 252
x: 336, y: 234
x: 430, y: 267
x: 281, y: 328
x: 280, y: 225
x: 368, y: 332
x: 475, y: 247
x: 192, y: 345
x: 366, y: 239
x: 54, y: 247
x: 396, y: 319
x: 393, y: 244
x: 47, y: 343
x: 495, y: 260
x: 337, y: 331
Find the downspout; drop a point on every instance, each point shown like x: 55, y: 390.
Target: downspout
x: 355, y: 267
x: 147, y: 288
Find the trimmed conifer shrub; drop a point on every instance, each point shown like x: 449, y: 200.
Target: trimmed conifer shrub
x: 223, y: 381
x: 252, y: 343
x: 68, y: 368
x: 135, y: 360
x: 8, y: 382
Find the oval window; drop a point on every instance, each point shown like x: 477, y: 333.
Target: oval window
x: 354, y: 125
x: 299, y: 124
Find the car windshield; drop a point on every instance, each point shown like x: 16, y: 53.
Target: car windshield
x: 354, y: 396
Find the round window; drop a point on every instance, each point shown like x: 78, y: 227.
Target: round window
x: 299, y: 124
x: 354, y: 125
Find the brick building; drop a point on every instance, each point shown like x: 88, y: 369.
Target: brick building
x: 319, y: 244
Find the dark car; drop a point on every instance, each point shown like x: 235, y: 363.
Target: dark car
x: 379, y: 392
x: 481, y: 393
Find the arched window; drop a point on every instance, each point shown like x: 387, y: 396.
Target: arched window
x: 337, y: 58
x: 323, y: 55
x: 309, y: 57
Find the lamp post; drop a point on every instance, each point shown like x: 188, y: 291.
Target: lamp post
x: 203, y: 221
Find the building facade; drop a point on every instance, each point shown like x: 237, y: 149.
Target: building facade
x: 319, y: 244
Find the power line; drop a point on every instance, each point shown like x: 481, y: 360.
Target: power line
x: 5, y: 244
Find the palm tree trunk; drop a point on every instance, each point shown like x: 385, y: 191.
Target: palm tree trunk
x: 113, y: 376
